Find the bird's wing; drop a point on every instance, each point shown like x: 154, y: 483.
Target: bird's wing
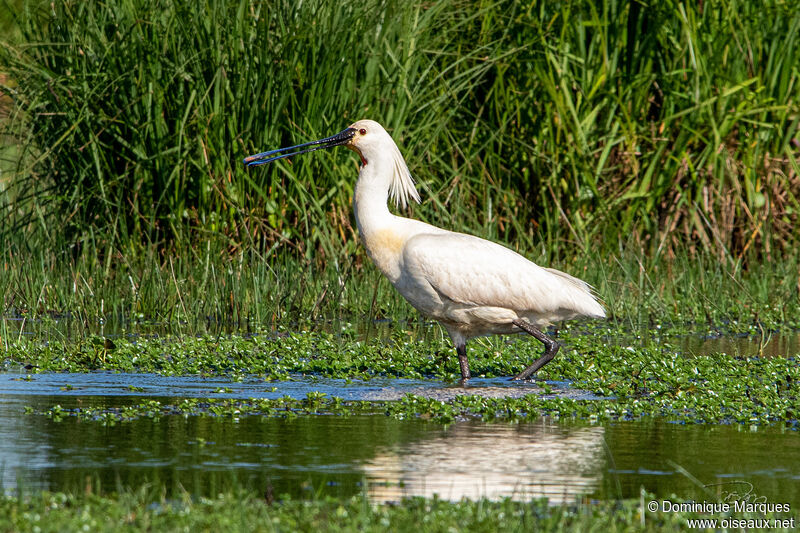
x: 476, y: 272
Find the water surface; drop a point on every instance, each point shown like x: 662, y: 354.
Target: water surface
x: 389, y: 458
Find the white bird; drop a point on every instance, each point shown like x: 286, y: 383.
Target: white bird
x: 472, y: 286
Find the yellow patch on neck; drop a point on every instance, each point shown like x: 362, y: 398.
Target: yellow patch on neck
x: 382, y: 242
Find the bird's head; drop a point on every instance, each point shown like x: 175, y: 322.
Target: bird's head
x: 370, y: 141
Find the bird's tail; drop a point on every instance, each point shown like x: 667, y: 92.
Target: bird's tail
x: 588, y: 307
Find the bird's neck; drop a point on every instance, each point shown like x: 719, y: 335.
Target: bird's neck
x: 382, y: 233
x: 370, y: 199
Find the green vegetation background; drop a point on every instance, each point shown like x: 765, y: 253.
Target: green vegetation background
x: 649, y: 147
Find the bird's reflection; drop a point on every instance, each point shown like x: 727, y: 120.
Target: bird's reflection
x: 492, y: 461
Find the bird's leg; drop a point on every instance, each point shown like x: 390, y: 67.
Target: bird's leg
x: 461, y: 350
x: 550, y: 349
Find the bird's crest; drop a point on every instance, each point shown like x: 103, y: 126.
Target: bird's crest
x: 402, y: 184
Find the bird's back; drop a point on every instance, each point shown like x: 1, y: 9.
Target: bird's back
x: 479, y: 278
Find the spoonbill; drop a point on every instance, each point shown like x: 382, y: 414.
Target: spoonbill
x: 473, y: 287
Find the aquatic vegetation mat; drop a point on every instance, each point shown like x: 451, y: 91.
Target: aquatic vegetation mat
x: 623, y: 377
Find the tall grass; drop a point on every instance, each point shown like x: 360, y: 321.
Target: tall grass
x: 143, y: 111
x: 573, y: 121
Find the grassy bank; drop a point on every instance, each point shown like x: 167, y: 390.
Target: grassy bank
x: 144, y: 509
x: 575, y: 123
x: 208, y: 290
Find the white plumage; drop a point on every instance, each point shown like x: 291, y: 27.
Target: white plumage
x: 472, y: 286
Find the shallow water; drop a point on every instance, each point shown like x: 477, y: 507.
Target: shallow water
x: 385, y: 457
x: 781, y: 344
x: 61, y: 384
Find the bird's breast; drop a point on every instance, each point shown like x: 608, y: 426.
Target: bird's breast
x: 385, y: 247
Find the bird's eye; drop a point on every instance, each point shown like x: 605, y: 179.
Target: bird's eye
x: 362, y: 131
